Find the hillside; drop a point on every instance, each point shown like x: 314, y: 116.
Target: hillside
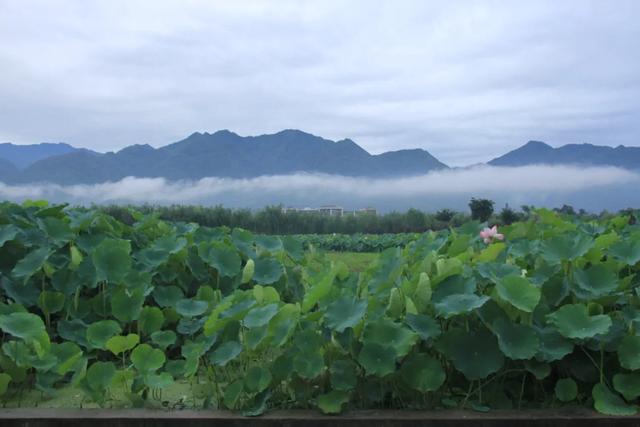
x: 22, y: 156
x: 226, y: 154
x: 536, y: 152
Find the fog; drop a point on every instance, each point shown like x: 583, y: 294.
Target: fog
x: 591, y: 188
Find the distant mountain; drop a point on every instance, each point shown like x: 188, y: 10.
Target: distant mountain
x: 7, y: 170
x: 536, y: 152
x: 226, y: 154
x: 23, y: 156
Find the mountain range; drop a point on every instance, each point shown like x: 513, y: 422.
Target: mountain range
x: 227, y: 154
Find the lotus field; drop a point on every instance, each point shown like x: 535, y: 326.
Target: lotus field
x: 537, y: 314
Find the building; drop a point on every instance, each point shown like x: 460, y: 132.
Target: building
x: 331, y: 210
x: 366, y: 211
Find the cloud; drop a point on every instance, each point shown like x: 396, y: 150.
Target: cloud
x: 465, y: 80
x: 539, y: 185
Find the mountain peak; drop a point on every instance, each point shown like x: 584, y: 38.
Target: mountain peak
x: 537, y: 145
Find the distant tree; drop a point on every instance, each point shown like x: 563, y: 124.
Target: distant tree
x: 481, y: 209
x: 566, y: 210
x: 445, y: 215
x: 508, y: 215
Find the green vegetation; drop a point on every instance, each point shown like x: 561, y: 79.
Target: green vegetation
x: 355, y: 261
x: 139, y: 313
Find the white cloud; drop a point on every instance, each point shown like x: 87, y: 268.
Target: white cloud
x: 540, y: 185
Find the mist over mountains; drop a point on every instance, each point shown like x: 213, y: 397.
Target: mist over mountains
x: 296, y: 168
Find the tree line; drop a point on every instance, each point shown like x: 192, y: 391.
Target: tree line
x: 273, y: 220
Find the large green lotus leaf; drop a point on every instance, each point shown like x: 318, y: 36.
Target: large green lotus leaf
x: 283, y: 324
x: 126, y: 304
x: 99, y: 332
x: 5, y: 379
x: 320, y: 287
x: 162, y: 380
x: 257, y: 379
x: 232, y: 393
x: 627, y: 384
x: 73, y: 330
x: 566, y: 247
x: 99, y: 375
x: 389, y: 333
x: 8, y: 233
x: 121, y: 343
x: 258, y: 405
x: 163, y: 339
x: 494, y: 271
x: 260, y: 316
x: 331, y: 403
x: 51, y: 302
x: 491, y: 252
x: 627, y: 251
x: 30, y: 264
x: 57, y: 230
x: 293, y: 247
x: 425, y: 326
x: 629, y: 352
x: 596, y: 282
x: 167, y: 296
x: 255, y: 336
x: 573, y: 321
x: 150, y: 320
x: 475, y: 353
x: 146, y: 358
x: 22, y: 325
x: 67, y: 354
x: 540, y: 370
x: 608, y: 403
x: 268, y: 243
x: 343, y: 375
x: 423, y: 372
x: 566, y: 390
x: 377, y: 359
x: 518, y: 292
x: 308, y: 365
x: 222, y: 257
x: 553, y: 346
x: 112, y: 260
x: 518, y: 342
x: 267, y: 271
x: 228, y: 351
x: 555, y: 290
x: 454, y: 305
x: 345, y: 312
x: 191, y: 307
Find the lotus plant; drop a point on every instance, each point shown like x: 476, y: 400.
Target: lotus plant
x: 491, y: 234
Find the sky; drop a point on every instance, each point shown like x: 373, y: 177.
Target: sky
x: 465, y: 80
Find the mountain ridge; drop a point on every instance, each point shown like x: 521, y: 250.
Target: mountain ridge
x: 227, y: 154
x: 585, y: 154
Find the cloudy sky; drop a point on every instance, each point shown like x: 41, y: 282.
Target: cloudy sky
x: 466, y: 80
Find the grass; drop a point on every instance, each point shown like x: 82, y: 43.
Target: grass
x: 356, y: 261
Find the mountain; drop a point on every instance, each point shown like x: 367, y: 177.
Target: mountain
x: 7, y: 170
x: 226, y: 154
x: 23, y: 156
x: 536, y: 152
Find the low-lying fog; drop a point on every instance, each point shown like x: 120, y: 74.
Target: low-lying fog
x: 591, y: 188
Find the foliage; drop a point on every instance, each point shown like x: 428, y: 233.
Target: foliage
x: 255, y: 322
x: 481, y: 209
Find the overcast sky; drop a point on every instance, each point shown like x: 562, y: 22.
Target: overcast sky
x: 466, y: 80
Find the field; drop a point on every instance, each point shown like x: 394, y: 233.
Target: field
x: 96, y: 312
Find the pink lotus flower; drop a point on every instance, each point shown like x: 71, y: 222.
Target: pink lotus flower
x: 489, y: 234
